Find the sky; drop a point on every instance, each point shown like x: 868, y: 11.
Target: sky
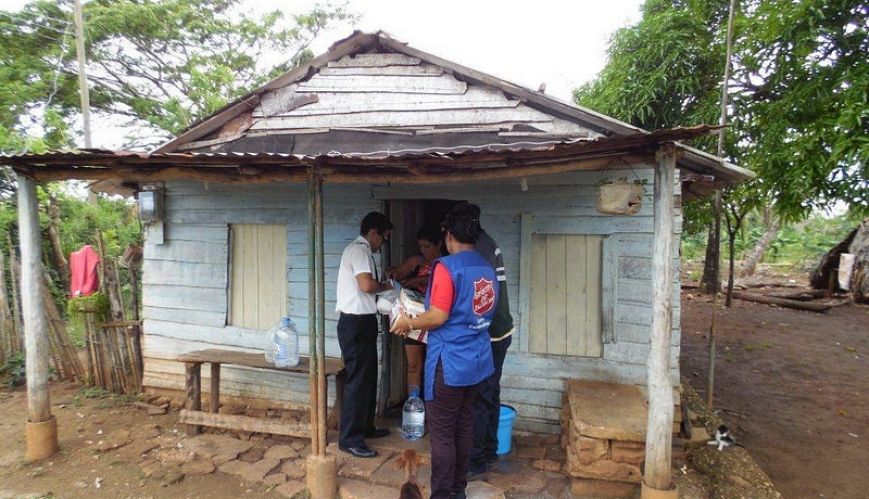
x: 559, y: 43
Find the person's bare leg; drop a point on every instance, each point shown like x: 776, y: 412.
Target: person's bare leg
x: 415, y: 358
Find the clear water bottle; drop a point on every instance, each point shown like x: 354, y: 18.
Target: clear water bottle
x: 286, y: 344
x: 413, y: 416
x: 269, y: 346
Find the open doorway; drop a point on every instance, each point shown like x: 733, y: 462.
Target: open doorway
x: 408, y: 217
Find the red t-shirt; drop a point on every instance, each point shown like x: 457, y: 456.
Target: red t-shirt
x: 442, y: 289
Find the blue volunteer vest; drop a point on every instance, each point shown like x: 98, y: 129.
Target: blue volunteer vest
x: 462, y: 343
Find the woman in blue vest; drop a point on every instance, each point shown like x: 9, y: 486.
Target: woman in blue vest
x: 460, y: 303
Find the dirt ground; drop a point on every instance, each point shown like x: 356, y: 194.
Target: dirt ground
x: 80, y: 470
x: 794, y: 388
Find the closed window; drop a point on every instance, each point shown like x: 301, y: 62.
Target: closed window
x: 565, y: 297
x: 258, y: 275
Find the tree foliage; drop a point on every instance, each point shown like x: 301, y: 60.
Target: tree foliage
x: 799, y: 104
x: 155, y: 65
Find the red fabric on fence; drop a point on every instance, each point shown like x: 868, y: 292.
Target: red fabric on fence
x: 83, y: 271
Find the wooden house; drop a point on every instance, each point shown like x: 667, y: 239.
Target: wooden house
x: 394, y: 129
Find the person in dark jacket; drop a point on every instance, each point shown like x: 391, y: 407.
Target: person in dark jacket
x: 460, y: 303
x: 487, y: 407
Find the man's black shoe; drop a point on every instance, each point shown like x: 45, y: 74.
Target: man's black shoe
x: 477, y: 471
x: 377, y: 433
x: 360, y: 451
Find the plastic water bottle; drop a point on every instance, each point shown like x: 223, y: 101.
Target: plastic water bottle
x: 269, y: 347
x: 286, y: 344
x: 413, y: 416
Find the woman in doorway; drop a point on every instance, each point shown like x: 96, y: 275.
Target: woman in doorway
x: 414, y: 274
x: 460, y: 304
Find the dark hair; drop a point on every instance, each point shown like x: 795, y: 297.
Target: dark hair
x: 463, y: 222
x: 431, y: 233
x: 375, y: 220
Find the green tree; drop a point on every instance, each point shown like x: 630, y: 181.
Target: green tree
x: 157, y: 65
x: 799, y: 101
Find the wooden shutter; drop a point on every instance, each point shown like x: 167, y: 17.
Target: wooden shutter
x: 565, y: 304
x: 258, y: 275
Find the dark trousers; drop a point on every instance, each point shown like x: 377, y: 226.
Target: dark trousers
x: 487, y: 409
x: 452, y: 434
x: 357, y: 336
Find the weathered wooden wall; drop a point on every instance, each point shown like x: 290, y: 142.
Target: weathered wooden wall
x: 186, y: 278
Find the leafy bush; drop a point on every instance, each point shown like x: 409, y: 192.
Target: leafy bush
x: 13, y: 371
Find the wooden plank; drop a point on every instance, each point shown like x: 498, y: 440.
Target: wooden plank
x: 332, y: 365
x: 374, y: 60
x: 361, y: 103
x: 284, y: 100
x: 525, y: 277
x: 576, y: 271
x: 347, y: 102
x: 556, y: 295
x: 424, y: 70
x: 244, y: 423
x: 437, y: 117
x: 594, y: 246
x: 390, y: 84
x: 180, y: 316
x: 538, y: 313
x: 188, y: 251
x: 175, y: 273
x: 185, y: 297
x: 609, y: 288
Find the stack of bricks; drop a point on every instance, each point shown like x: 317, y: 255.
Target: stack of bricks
x: 600, y: 458
x: 603, y: 434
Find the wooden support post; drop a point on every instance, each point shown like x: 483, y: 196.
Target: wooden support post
x: 660, y: 387
x: 214, y: 402
x: 322, y: 398
x: 41, y: 426
x: 193, y: 379
x: 312, y: 315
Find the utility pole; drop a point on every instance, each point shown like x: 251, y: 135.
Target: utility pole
x: 713, y: 328
x: 83, y: 84
x: 82, y: 74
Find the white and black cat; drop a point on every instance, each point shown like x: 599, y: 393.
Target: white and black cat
x: 723, y: 440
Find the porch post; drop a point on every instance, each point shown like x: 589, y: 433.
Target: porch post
x: 312, y: 314
x: 322, y: 469
x: 319, y: 237
x: 656, y: 477
x: 41, y: 428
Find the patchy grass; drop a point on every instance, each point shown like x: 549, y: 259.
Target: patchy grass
x: 106, y: 399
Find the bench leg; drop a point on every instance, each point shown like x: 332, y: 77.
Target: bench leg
x: 335, y: 415
x: 215, y: 387
x: 193, y: 381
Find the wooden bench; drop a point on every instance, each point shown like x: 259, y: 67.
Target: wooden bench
x: 195, y: 417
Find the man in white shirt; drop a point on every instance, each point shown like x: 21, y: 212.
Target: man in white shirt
x: 358, y: 286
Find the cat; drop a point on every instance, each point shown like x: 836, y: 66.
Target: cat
x: 723, y: 439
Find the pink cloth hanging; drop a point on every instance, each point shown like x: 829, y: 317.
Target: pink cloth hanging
x: 84, y: 280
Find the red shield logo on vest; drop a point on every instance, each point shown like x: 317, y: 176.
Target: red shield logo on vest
x: 484, y: 296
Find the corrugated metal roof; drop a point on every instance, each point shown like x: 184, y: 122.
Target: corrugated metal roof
x: 122, y: 165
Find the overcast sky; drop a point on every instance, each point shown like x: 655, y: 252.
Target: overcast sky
x: 560, y: 43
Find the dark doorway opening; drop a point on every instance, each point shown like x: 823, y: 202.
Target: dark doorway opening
x: 408, y: 216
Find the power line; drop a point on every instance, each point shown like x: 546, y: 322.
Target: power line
x: 21, y: 15
x: 30, y: 23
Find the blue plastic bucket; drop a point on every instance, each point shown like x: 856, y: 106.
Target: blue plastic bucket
x: 505, y: 429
